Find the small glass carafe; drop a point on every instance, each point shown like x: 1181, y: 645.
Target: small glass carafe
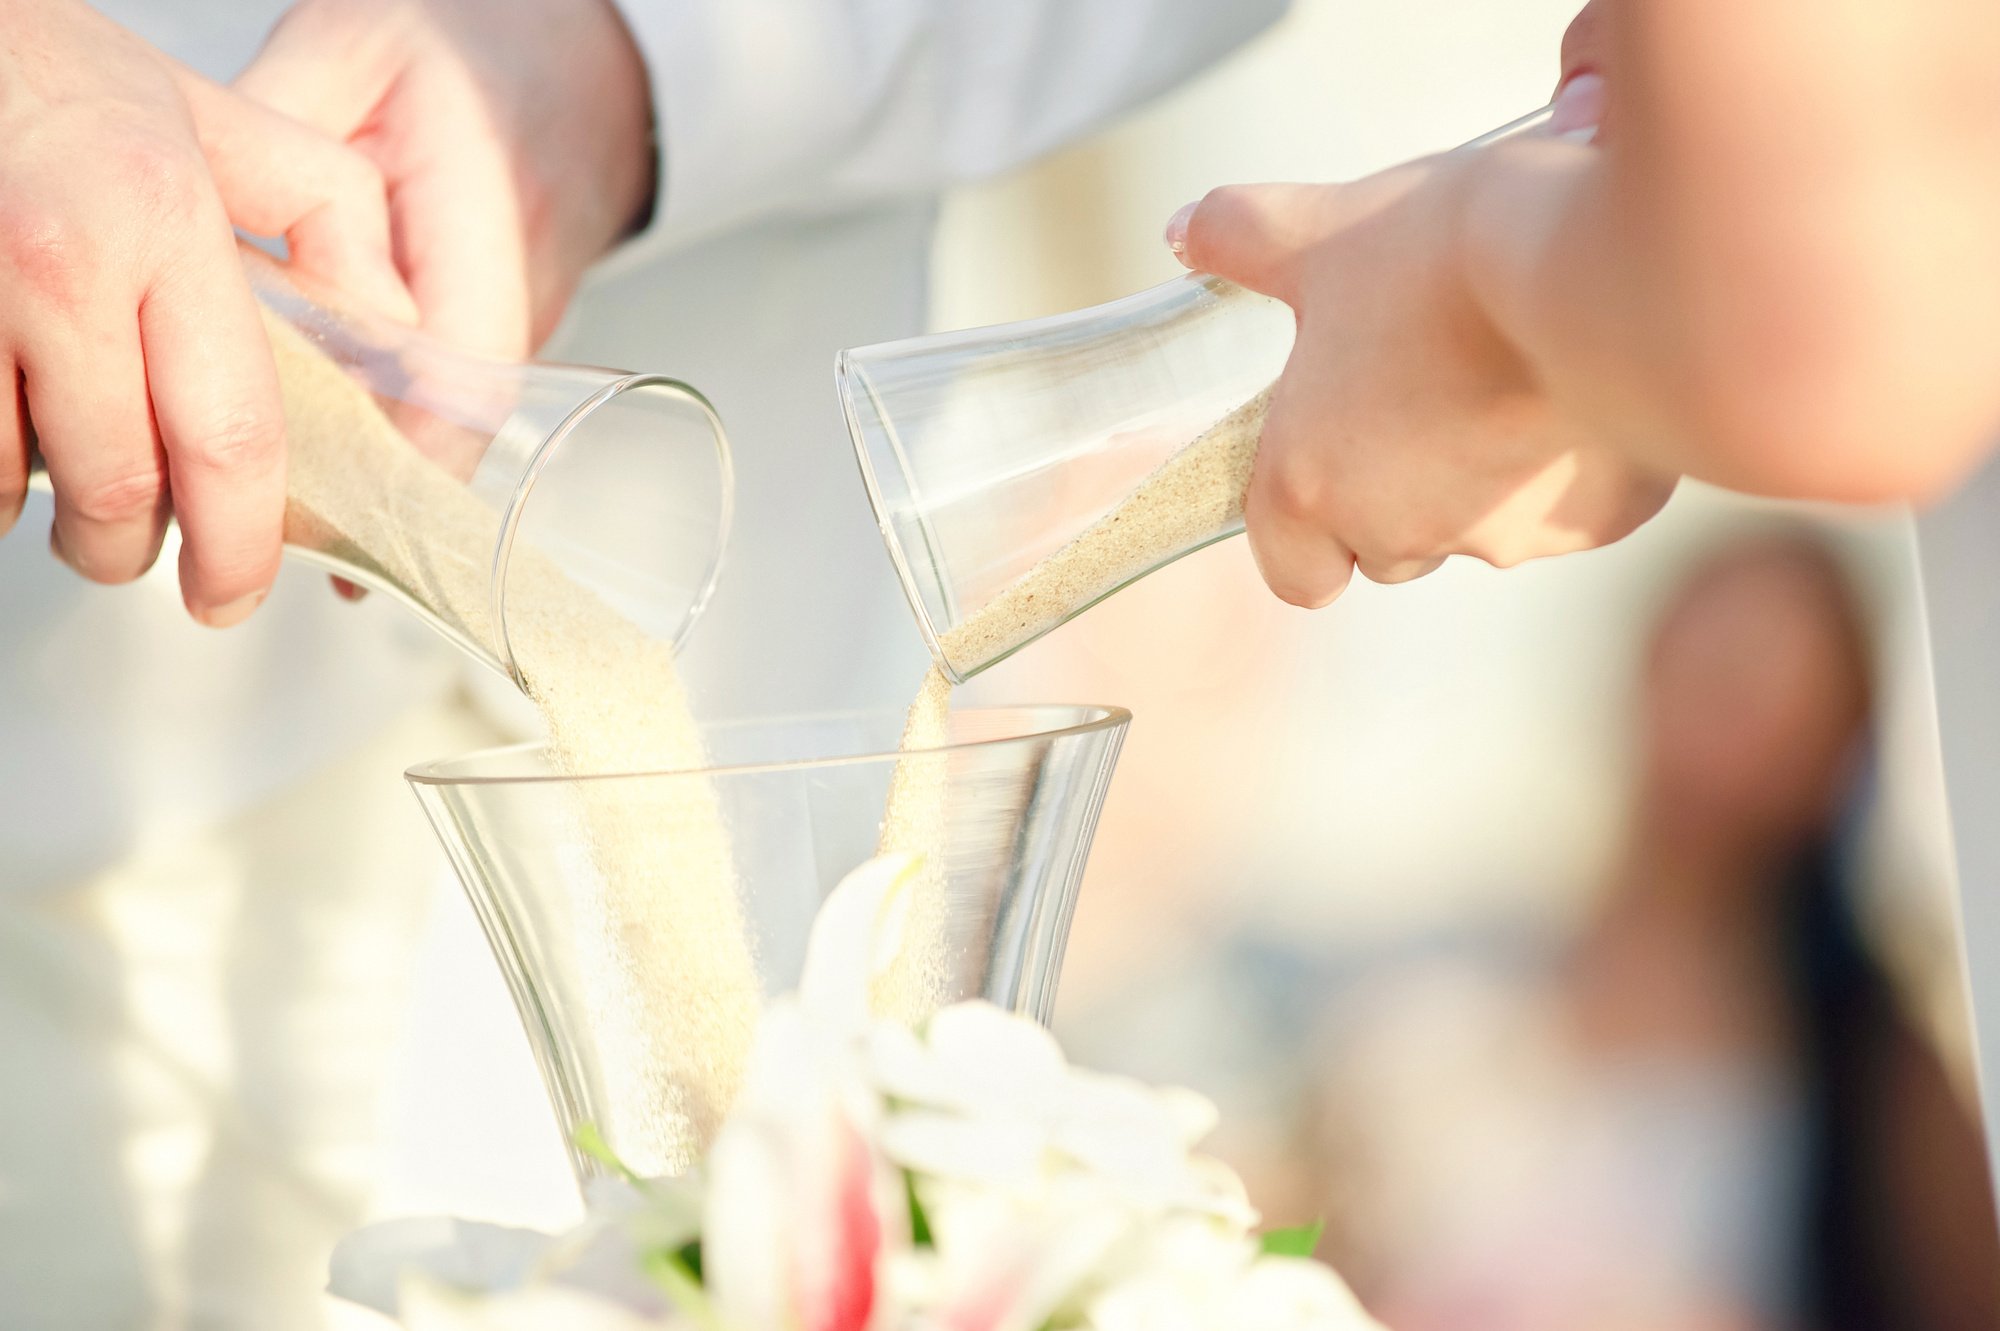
x: 622, y: 481
x: 987, y: 452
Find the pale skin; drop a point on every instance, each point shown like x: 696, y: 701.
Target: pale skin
x: 417, y: 162
x: 1774, y: 268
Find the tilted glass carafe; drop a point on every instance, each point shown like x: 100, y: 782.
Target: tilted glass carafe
x: 622, y: 481
x: 991, y: 450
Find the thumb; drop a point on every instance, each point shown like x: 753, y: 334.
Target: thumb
x: 279, y: 178
x: 1251, y: 235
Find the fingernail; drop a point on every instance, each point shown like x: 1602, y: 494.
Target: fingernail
x: 229, y: 616
x: 1177, y: 227
x: 1579, y: 107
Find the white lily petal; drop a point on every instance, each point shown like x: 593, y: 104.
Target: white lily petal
x: 429, y: 1306
x: 369, y: 1265
x: 1005, y: 1266
x: 859, y: 930
x: 1194, y: 1113
x: 992, y: 1152
x: 992, y: 1047
x: 1293, y: 1294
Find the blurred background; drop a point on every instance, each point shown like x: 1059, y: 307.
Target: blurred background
x: 1579, y: 941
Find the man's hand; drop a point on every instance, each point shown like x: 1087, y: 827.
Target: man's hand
x: 1405, y: 428
x: 140, y: 369
x: 515, y: 139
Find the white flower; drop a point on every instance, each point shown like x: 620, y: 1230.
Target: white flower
x: 985, y: 1097
x: 1295, y: 1294
x: 429, y: 1306
x: 805, y: 1216
x: 1054, y: 1197
x: 1204, y: 1287
x: 599, y: 1260
x: 1001, y: 1262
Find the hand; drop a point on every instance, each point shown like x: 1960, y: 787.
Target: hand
x: 127, y: 327
x: 1772, y: 268
x: 516, y: 142
x: 1405, y: 429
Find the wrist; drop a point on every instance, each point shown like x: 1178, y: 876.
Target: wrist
x: 586, y: 159
x: 632, y: 165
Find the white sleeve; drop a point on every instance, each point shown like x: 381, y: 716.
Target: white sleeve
x: 809, y: 105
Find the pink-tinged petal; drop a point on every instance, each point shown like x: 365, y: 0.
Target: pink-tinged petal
x: 843, y: 1298
x: 801, y: 1208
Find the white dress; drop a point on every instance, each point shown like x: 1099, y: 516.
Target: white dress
x: 1959, y: 545
x: 210, y: 877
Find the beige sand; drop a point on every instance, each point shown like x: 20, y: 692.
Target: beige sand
x: 1189, y: 498
x: 662, y: 945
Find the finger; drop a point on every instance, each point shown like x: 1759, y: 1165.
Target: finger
x: 278, y: 177
x: 316, y: 77
x: 215, y: 393
x: 1252, y: 235
x: 1391, y: 572
x: 14, y: 438
x: 1302, y: 561
x: 86, y: 392
x: 1584, y: 44
x: 467, y: 266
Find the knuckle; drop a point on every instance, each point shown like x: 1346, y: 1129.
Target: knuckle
x: 1505, y: 554
x: 119, y: 498
x: 1215, y: 218
x: 1583, y: 43
x: 1301, y: 492
x: 359, y: 181
x: 1313, y: 593
x: 1295, y: 593
x: 1647, y: 501
x: 45, y: 249
x: 1308, y: 579
x: 244, y: 440
x: 163, y: 175
x: 224, y: 581
x: 1220, y: 206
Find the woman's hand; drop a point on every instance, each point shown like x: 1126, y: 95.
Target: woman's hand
x: 1406, y: 428
x: 1772, y: 266
x: 127, y: 329
x: 515, y: 139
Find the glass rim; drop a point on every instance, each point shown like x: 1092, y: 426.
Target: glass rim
x: 618, y: 386
x: 849, y: 370
x: 1092, y: 718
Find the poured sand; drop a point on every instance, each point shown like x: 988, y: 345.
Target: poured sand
x: 913, y: 823
x: 1190, y: 497
x: 661, y: 946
